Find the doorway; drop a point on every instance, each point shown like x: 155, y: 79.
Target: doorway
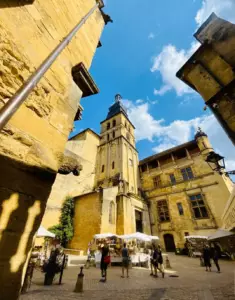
x: 139, y: 221
x: 169, y: 242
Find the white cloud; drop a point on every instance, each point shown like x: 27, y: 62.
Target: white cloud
x: 168, y: 62
x: 223, y: 8
x: 139, y: 101
x: 151, y: 36
x: 171, y: 59
x: 179, y: 131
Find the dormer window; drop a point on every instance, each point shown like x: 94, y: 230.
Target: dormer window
x: 114, y: 123
x: 108, y: 126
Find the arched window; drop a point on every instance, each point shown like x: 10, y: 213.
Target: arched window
x: 108, y: 137
x: 114, y: 123
x: 113, y: 165
x: 102, y: 170
x: 125, y: 124
x: 112, y: 213
x: 108, y: 126
x: 113, y: 134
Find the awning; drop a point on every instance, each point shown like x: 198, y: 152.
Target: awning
x: 203, y: 237
x: 220, y: 233
x: 137, y: 236
x: 104, y: 235
x: 42, y: 232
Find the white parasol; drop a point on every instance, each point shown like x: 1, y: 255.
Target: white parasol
x: 42, y: 232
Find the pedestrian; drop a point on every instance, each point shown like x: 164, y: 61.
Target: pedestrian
x: 151, y: 261
x: 215, y: 256
x: 160, y: 261
x: 155, y: 260
x: 105, y: 261
x: 207, y: 257
x: 125, y: 261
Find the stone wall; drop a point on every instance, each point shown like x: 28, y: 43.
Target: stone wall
x: 84, y: 145
x: 32, y: 143
x: 214, y: 188
x: 87, y: 219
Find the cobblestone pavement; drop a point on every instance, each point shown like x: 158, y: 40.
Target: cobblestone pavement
x: 193, y: 283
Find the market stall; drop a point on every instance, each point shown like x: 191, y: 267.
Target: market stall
x: 226, y: 241
x: 195, y: 244
x: 136, y: 243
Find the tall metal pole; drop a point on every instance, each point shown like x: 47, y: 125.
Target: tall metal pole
x: 14, y: 103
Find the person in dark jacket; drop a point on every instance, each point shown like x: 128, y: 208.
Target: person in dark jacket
x: 125, y: 261
x: 155, y: 261
x: 215, y: 254
x: 160, y: 261
x: 103, y: 263
x: 207, y: 257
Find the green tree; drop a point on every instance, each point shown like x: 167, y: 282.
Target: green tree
x: 64, y: 230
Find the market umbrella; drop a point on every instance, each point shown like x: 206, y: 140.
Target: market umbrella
x: 220, y: 233
x: 42, y: 232
x: 104, y: 235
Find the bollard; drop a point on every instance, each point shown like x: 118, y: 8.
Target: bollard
x: 79, y: 283
x: 168, y: 265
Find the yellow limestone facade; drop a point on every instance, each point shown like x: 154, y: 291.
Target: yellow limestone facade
x: 170, y: 194
x: 210, y: 72
x: 32, y: 144
x: 185, y: 196
x: 115, y: 204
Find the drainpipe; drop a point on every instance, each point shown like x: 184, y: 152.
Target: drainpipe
x: 15, y: 102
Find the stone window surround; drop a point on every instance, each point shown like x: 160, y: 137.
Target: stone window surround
x: 205, y: 205
x: 166, y: 212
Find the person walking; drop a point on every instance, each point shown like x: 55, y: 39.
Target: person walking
x: 160, y: 261
x: 125, y: 261
x: 151, y: 261
x: 215, y: 256
x: 207, y: 257
x: 155, y: 260
x: 105, y: 261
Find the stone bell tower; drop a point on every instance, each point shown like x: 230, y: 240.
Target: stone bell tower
x: 117, y: 159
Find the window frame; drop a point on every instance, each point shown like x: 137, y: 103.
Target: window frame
x: 173, y: 182
x: 187, y: 173
x: 163, y: 211
x: 180, y: 208
x: 113, y: 134
x: 114, y: 123
x: 199, y: 207
x: 157, y: 183
x: 108, y: 126
x: 111, y: 213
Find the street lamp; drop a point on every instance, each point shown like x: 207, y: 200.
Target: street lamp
x: 216, y: 162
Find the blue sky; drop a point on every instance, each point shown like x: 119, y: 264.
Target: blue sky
x: 142, y: 50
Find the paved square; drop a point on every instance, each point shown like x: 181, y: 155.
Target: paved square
x: 193, y: 283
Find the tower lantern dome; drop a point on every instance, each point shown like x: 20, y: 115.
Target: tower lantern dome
x: 118, y: 98
x: 200, y: 133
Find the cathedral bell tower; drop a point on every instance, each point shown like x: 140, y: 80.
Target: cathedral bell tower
x: 117, y: 158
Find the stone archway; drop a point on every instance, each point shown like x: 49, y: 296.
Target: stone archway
x: 169, y: 242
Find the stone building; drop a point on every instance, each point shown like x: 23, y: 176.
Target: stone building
x: 114, y: 204
x: 169, y: 194
x: 32, y: 144
x: 185, y: 196
x: 210, y: 72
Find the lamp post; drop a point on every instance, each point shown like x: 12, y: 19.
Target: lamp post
x: 217, y: 163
